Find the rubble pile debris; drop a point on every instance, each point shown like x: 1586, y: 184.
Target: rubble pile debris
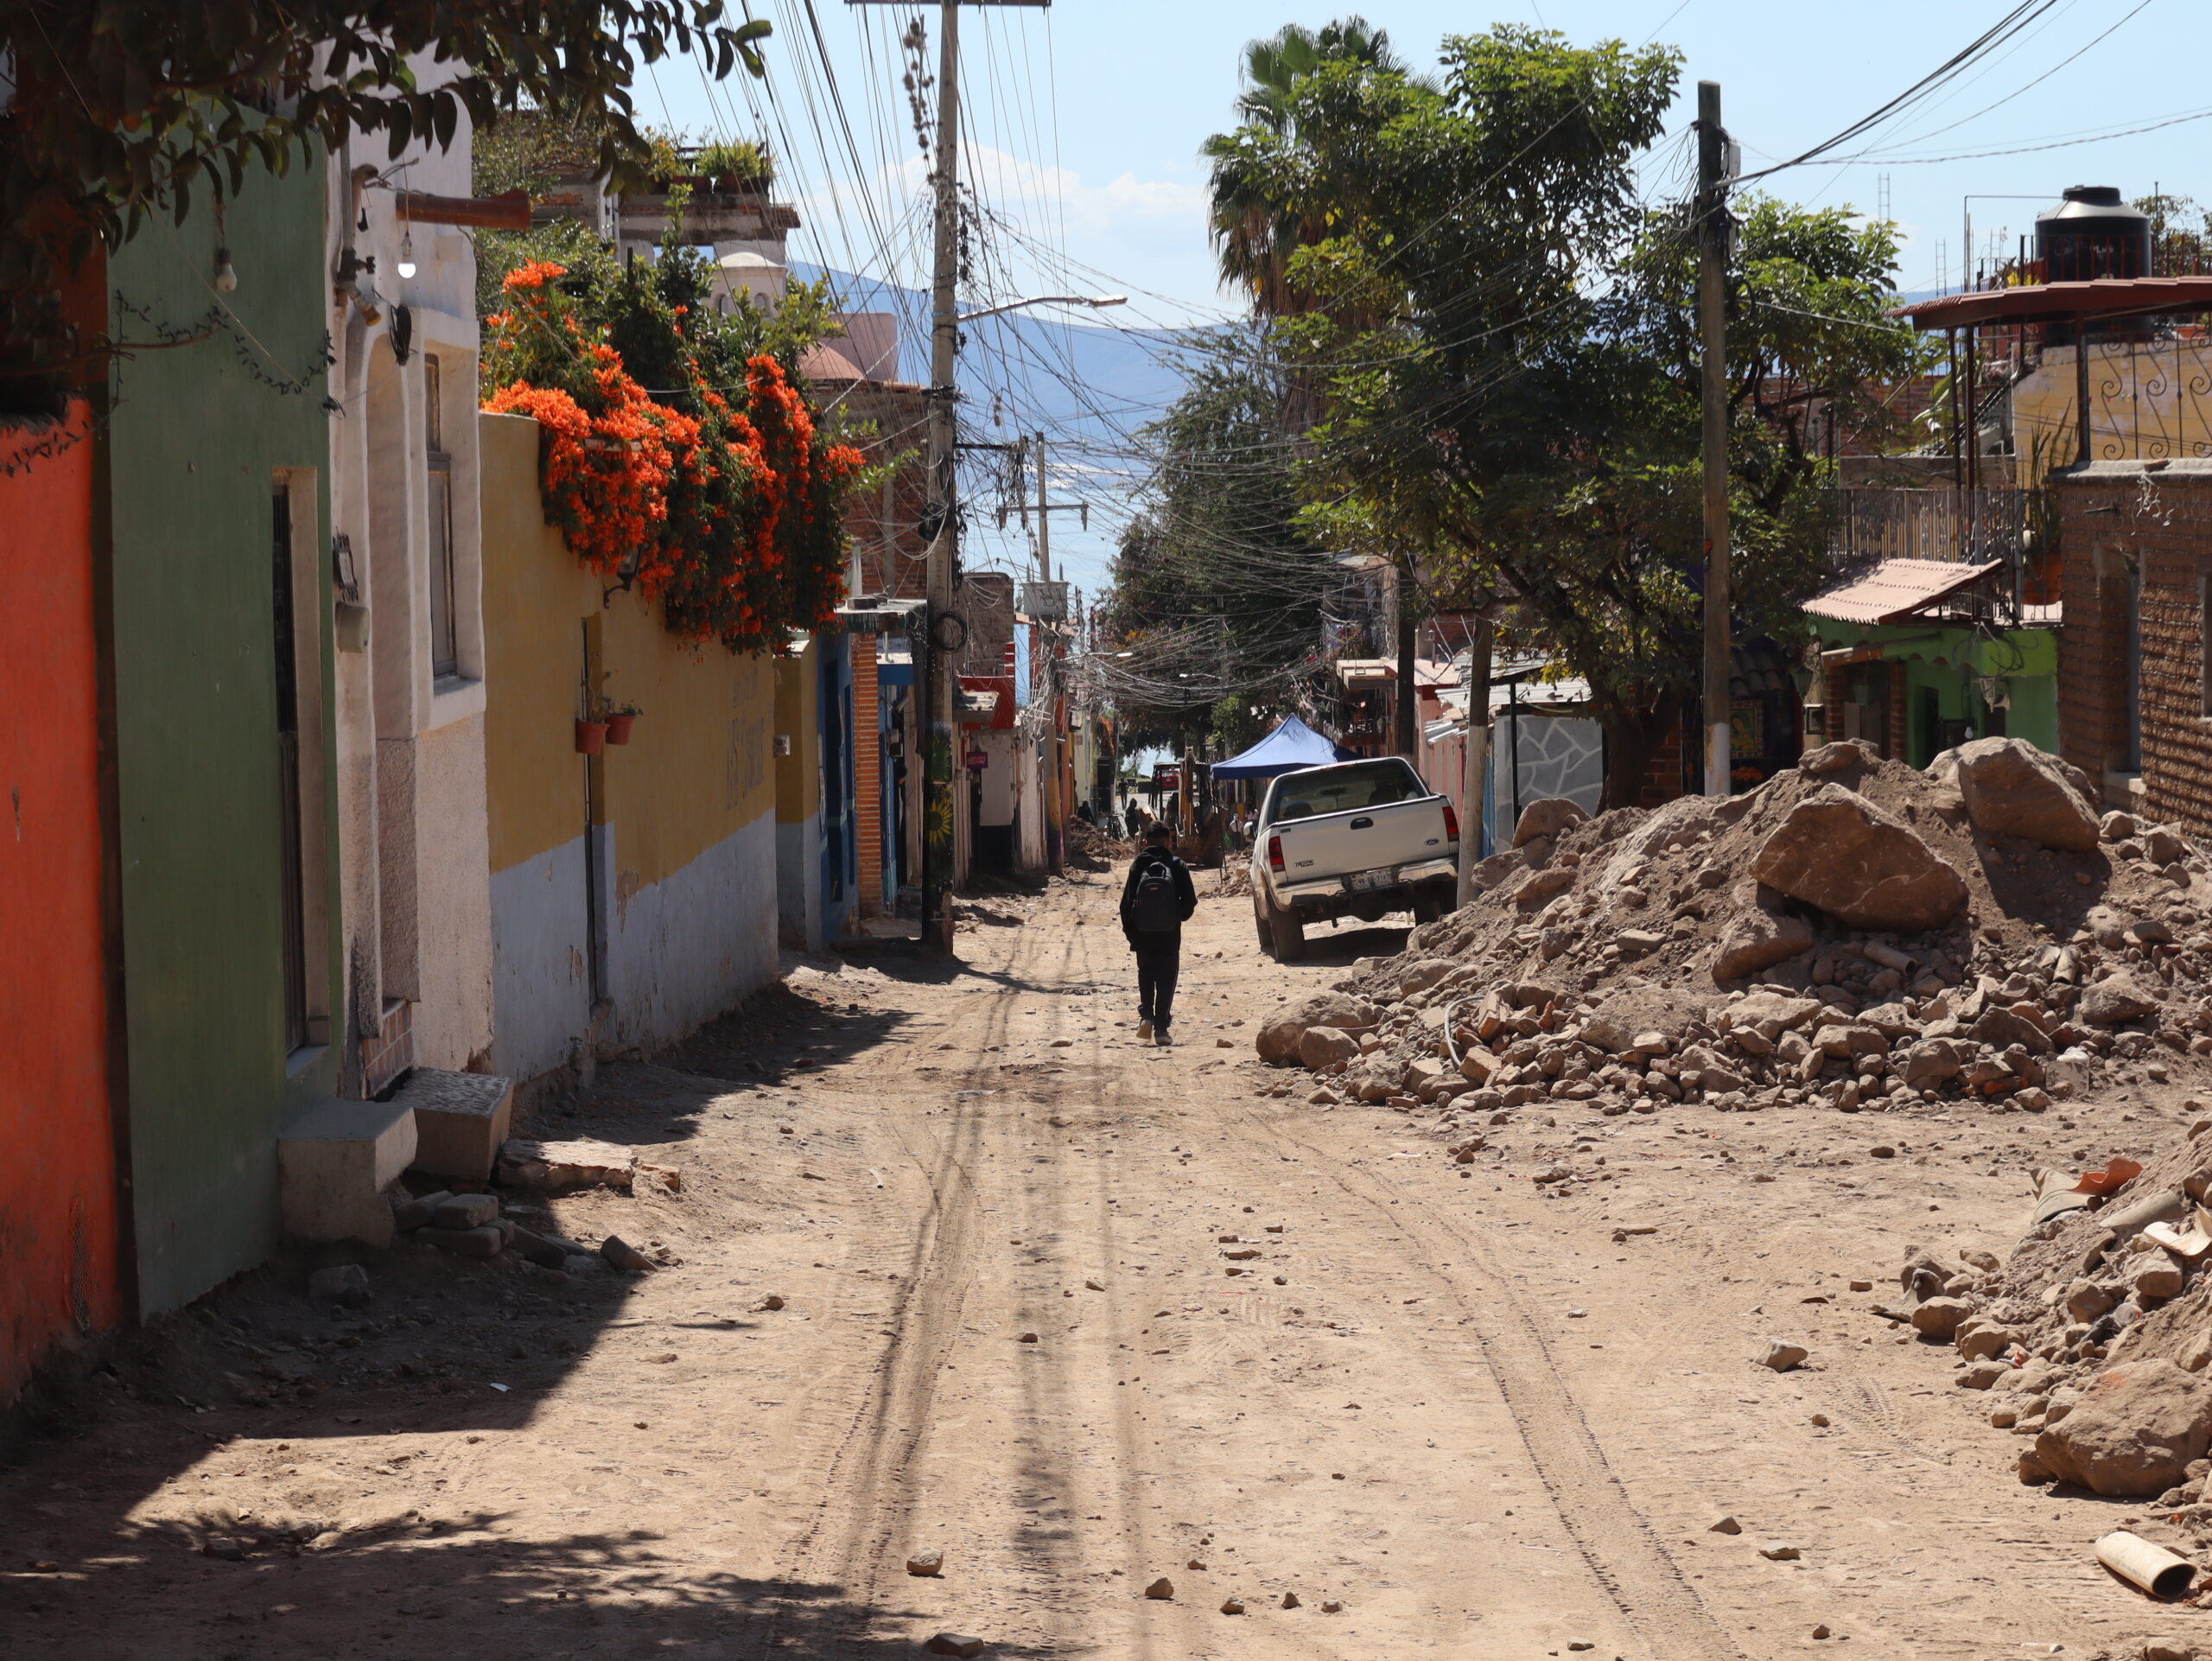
x: 1855, y: 934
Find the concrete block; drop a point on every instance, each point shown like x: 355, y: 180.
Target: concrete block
x: 464, y: 1210
x: 334, y: 1160
x: 460, y: 1119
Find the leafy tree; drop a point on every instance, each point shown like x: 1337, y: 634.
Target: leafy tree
x: 1257, y: 230
x: 1215, y: 592
x: 122, y: 108
x: 1512, y: 384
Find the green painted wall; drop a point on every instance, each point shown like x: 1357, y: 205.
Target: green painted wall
x: 196, y: 436
x: 1945, y: 661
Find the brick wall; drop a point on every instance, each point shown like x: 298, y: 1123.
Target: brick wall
x: 868, y: 761
x: 2115, y: 517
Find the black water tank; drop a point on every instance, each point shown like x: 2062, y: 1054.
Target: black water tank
x: 2093, y: 234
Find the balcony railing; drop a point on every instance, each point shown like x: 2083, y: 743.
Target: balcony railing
x: 1871, y: 524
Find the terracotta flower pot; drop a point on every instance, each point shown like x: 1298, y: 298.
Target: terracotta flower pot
x: 591, y: 737
x: 617, y: 728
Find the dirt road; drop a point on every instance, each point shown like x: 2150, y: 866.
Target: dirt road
x: 1082, y: 1314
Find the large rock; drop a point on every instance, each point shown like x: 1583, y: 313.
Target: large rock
x: 1931, y: 1062
x: 2135, y: 1431
x: 526, y: 1163
x: 1321, y: 1046
x: 1772, y: 1014
x: 1834, y: 757
x: 1759, y: 939
x: 2013, y: 789
x: 1547, y: 819
x: 2000, y: 1029
x: 1278, y: 1039
x: 2116, y: 998
x: 1839, y: 851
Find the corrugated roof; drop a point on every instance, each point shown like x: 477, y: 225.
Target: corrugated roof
x: 1896, y: 588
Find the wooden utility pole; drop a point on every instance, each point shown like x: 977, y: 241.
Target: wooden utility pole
x: 1056, y: 807
x: 1713, y: 336
x: 944, y: 634
x: 1475, y: 760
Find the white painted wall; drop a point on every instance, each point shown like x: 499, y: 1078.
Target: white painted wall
x: 684, y: 950
x: 798, y: 882
x: 541, y: 975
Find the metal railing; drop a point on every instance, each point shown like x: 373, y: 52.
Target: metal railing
x: 2016, y: 526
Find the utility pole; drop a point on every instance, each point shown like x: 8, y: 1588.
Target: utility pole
x: 937, y: 743
x: 1713, y: 334
x: 939, y: 667
x: 1475, y: 757
x: 1056, y: 813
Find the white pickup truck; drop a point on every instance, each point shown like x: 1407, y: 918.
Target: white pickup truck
x: 1360, y: 839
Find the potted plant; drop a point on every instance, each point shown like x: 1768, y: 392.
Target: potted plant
x: 741, y: 168
x: 591, y: 735
x: 619, y: 717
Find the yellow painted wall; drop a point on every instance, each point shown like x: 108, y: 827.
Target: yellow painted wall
x: 695, y: 769
x: 2146, y: 399
x: 798, y: 699
x: 536, y: 595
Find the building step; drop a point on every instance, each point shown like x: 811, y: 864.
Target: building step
x: 334, y: 1160
x: 460, y: 1119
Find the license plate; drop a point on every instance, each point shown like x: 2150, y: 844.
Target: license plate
x: 1361, y: 881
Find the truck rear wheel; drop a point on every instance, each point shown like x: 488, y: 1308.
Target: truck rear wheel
x: 1287, y: 934
x: 1429, y: 904
x: 1260, y: 925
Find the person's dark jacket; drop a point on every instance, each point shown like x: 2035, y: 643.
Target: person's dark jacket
x: 1186, y: 894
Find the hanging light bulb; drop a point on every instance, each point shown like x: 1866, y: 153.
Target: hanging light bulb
x: 407, y: 255
x: 226, y: 275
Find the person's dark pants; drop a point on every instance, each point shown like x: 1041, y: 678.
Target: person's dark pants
x: 1157, y: 958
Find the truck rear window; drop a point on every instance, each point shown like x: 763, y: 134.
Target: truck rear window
x: 1338, y: 790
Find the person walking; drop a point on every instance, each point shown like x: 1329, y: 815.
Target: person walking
x: 1135, y: 817
x: 1157, y: 900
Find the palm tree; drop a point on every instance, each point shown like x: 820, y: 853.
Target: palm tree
x: 1256, y: 232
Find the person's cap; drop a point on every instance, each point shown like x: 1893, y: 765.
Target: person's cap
x: 1157, y: 830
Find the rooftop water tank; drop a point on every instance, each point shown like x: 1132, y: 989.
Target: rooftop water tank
x: 2093, y: 233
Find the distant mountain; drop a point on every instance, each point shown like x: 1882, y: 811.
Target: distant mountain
x: 1087, y: 385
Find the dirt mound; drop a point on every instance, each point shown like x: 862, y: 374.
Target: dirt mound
x: 1090, y: 848
x: 1638, y: 958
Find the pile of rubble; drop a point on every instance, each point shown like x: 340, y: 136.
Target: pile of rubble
x: 2094, y: 1340
x: 1855, y: 933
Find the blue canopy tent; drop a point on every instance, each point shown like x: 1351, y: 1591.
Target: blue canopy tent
x: 1291, y: 746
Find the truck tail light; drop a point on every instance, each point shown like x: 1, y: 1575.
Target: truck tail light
x: 1274, y: 853
x: 1450, y: 823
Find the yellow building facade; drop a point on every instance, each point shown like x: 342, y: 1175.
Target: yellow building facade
x: 634, y: 891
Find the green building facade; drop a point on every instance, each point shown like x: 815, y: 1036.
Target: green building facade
x: 212, y: 516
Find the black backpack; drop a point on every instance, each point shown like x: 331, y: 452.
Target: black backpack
x: 1156, y: 907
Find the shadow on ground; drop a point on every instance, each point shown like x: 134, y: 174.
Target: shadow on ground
x: 447, y: 1346
x: 154, y: 1593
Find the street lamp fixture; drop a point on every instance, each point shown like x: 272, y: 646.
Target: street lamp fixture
x: 1094, y: 302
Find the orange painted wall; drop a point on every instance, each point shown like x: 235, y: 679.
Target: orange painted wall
x: 58, y: 1237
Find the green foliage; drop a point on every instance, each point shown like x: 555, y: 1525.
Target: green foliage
x: 1215, y: 590
x: 1501, y: 343
x: 121, y: 109
x: 741, y: 163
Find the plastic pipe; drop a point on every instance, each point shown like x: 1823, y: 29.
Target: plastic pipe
x: 2154, y: 1569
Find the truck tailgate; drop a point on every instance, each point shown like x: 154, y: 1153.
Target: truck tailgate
x: 1362, y: 839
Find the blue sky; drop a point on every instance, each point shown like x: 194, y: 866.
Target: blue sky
x: 1086, y: 120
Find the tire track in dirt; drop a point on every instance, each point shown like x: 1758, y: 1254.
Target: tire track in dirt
x: 867, y: 1475
x: 1617, y: 1545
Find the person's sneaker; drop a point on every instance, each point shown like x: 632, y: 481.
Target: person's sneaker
x: 1144, y: 1030
x: 1159, y: 1037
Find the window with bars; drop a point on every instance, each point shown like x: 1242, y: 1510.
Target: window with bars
x: 445, y: 650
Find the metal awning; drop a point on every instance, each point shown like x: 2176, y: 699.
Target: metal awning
x: 2062, y: 302
x: 876, y: 615
x: 1896, y: 590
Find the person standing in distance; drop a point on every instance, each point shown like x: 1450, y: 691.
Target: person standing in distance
x: 1156, y: 901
